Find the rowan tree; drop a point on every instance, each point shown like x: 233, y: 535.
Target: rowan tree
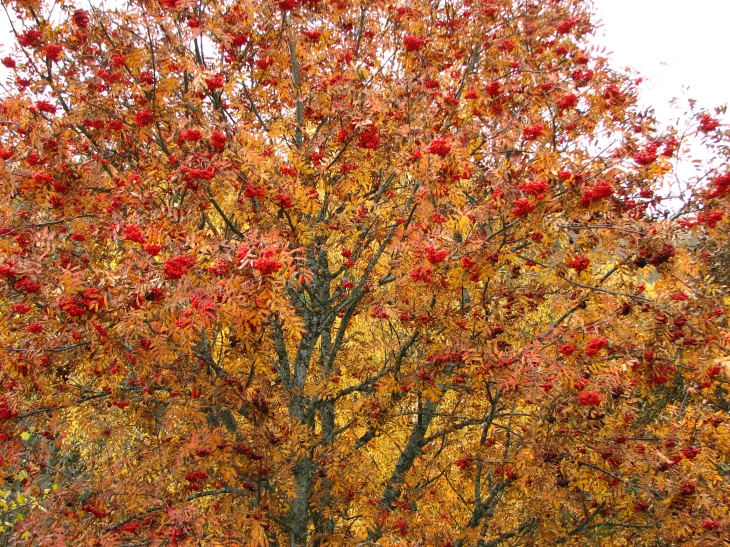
x: 316, y: 272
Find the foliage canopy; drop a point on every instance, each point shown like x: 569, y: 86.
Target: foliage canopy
x: 317, y: 272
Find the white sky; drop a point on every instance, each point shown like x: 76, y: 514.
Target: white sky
x: 680, y: 47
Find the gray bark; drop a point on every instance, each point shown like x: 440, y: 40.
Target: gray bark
x: 410, y: 453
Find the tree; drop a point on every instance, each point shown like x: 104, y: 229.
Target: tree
x: 352, y: 273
